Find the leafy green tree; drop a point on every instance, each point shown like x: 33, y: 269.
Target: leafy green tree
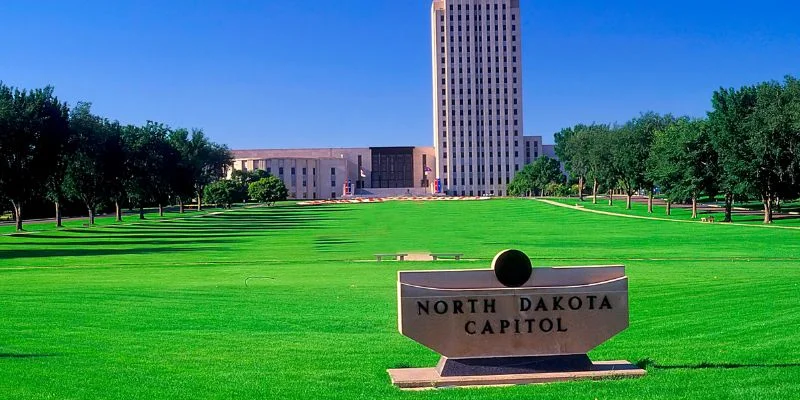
x: 683, y: 162
x: 730, y: 109
x: 207, y: 162
x: 61, y: 141
x: 534, y: 177
x: 222, y: 193
x: 183, y: 175
x: 32, y: 136
x: 600, y: 169
x: 151, y: 161
x: 97, y: 148
x: 773, y: 145
x: 587, y: 154
x: 243, y: 179
x: 633, y: 142
x: 572, y: 148
x: 268, y: 190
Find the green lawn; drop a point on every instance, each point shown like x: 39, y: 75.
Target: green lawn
x: 160, y: 309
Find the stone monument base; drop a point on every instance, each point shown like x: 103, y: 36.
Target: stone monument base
x: 499, y: 371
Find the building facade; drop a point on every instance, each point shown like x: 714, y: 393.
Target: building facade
x: 336, y: 172
x: 477, y: 94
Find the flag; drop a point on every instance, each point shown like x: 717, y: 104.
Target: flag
x: 361, y: 172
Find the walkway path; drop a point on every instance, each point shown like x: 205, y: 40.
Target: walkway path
x: 580, y: 208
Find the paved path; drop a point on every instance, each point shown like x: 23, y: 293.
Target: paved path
x: 579, y: 208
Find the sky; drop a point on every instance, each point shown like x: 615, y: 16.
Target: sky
x: 357, y: 73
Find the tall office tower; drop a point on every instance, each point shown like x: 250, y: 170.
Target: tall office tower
x: 477, y: 94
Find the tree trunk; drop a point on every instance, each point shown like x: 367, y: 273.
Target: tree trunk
x: 669, y: 207
x: 141, y: 212
x: 768, y: 211
x: 160, y: 210
x: 91, y: 215
x: 694, y: 206
x: 117, y: 212
x: 199, y: 201
x: 650, y: 201
x: 180, y: 206
x: 17, y: 214
x: 728, y: 207
x: 594, y: 191
x: 628, y: 197
x: 580, y: 188
x: 610, y: 197
x: 58, y: 215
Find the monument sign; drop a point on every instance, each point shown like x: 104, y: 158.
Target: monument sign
x: 512, y: 323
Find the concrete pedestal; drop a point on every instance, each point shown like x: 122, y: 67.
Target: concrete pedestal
x: 510, y: 371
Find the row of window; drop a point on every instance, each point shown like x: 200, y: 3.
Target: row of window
x: 477, y: 38
x: 469, y: 112
x: 478, y: 91
x: 293, y: 171
x: 479, y: 102
x: 471, y: 193
x: 480, y: 144
x: 479, y: 71
x: 479, y: 134
x: 482, y: 168
x: 480, y: 181
x: 479, y: 27
x: 477, y: 50
x: 480, y: 155
x: 478, y: 60
x: 476, y: 7
x: 480, y: 123
x: 479, y: 81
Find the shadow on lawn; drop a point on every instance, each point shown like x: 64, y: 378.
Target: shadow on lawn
x: 172, y: 236
x: 24, y: 355
x: 78, y: 252
x: 707, y: 365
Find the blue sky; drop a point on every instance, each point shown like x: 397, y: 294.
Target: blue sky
x: 270, y: 73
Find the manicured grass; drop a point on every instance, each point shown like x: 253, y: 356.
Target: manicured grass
x: 160, y: 310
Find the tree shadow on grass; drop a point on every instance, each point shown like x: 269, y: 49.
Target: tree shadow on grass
x: 78, y: 252
x: 139, y: 241
x: 645, y: 363
x: 24, y: 355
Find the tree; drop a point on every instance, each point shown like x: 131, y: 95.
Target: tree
x: 207, y: 162
x: 222, y: 193
x: 61, y: 153
x: 534, y: 177
x: 97, y: 149
x: 773, y: 145
x: 183, y: 170
x: 730, y: 108
x: 633, y: 142
x: 683, y: 162
x: 600, y: 169
x: 243, y: 180
x: 151, y: 160
x: 572, y: 148
x: 268, y: 190
x: 32, y: 136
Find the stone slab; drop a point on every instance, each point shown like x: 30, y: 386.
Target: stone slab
x: 429, y: 378
x: 512, y: 365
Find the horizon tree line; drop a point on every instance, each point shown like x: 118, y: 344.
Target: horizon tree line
x: 747, y: 147
x: 51, y: 151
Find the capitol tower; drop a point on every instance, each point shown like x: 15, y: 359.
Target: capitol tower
x: 477, y: 95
